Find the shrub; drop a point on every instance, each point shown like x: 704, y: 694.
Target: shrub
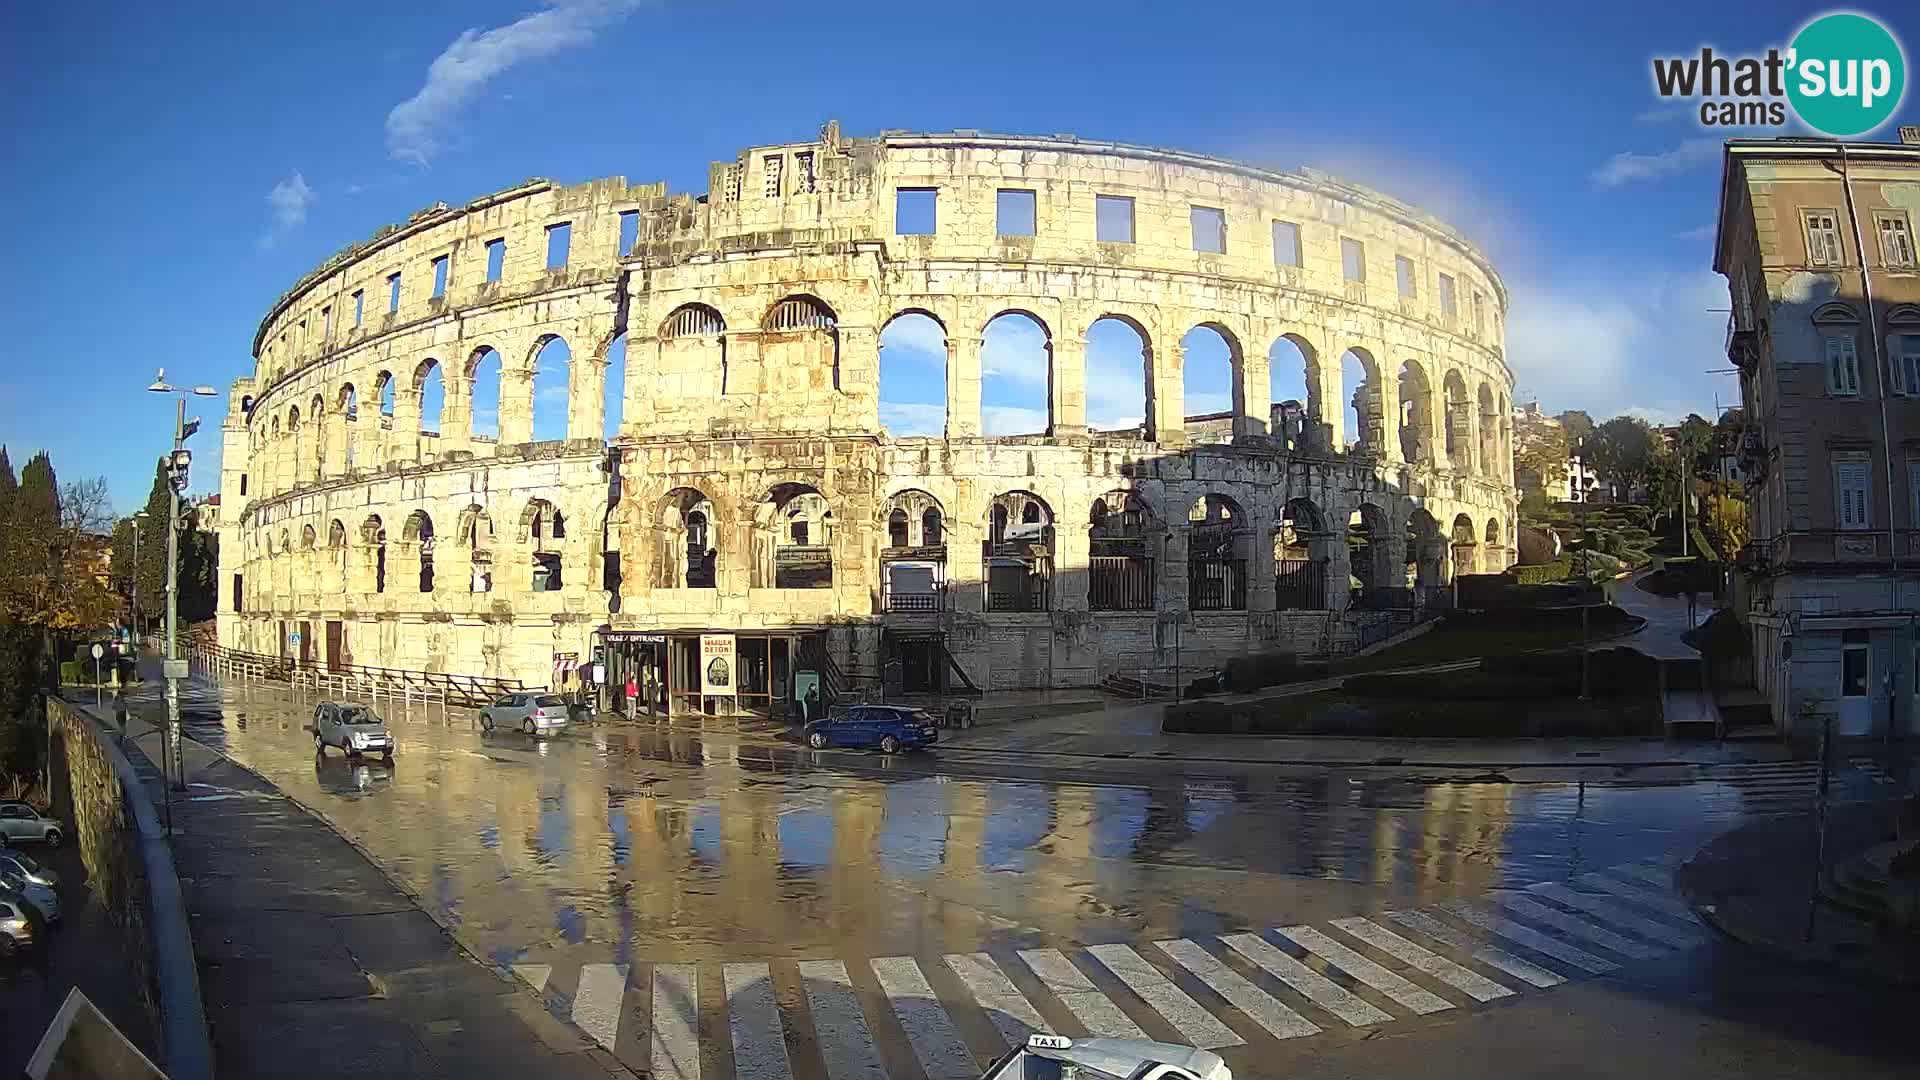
x: 1544, y: 574
x: 1253, y: 671
x: 1470, y: 685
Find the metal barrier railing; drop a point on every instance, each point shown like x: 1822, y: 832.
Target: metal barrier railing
x: 396, y: 684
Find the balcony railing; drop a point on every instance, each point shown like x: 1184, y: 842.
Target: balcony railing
x: 933, y: 601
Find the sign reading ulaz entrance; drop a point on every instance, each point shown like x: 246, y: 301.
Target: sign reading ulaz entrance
x: 716, y: 665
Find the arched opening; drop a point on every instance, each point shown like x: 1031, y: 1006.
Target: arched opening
x: 1459, y: 423
x: 616, y: 526
x: 913, y: 376
x: 418, y: 531
x: 1369, y: 557
x: 384, y: 387
x: 432, y: 394
x: 799, y: 346
x: 1426, y: 551
x: 793, y: 539
x: 1416, y: 414
x: 1218, y: 543
x: 686, y: 549
x: 1489, y: 433
x: 552, y: 388
x: 1302, y: 548
x: 308, y: 537
x: 1016, y: 375
x: 1119, y: 376
x: 373, y: 534
x: 541, y: 529
x: 1360, y: 388
x: 1505, y: 448
x: 915, y: 559
x: 693, y: 351
x: 337, y: 534
x: 1464, y: 546
x: 296, y: 452
x: 317, y: 420
x: 1018, y: 553
x: 1293, y: 387
x: 483, y: 389
x: 1495, y: 552
x: 1210, y: 381
x: 1120, y: 553
x: 475, y: 533
x: 349, y: 404
x: 613, y: 391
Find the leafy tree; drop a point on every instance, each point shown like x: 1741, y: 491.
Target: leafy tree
x: 199, y: 558
x: 8, y: 485
x: 1540, y: 450
x: 1694, y: 442
x: 1577, y: 424
x: 1622, y: 450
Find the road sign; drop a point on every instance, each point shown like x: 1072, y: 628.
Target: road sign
x: 294, y: 638
x: 173, y: 669
x: 98, y: 652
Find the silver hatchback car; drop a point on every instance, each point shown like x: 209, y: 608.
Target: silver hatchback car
x: 533, y: 713
x: 354, y: 728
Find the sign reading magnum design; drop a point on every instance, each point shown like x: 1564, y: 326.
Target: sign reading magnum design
x: 716, y: 664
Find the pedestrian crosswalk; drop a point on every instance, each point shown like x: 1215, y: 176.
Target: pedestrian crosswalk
x: 1789, y: 787
x: 945, y: 1016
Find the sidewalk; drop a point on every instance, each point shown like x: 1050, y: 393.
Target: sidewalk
x: 314, y: 964
x: 1757, y: 884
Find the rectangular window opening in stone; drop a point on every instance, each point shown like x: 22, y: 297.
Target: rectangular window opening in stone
x: 1896, y: 240
x: 1209, y: 229
x: 393, y: 292
x: 1479, y: 312
x: 1015, y: 212
x: 1906, y: 372
x: 1353, y: 259
x: 359, y: 306
x: 326, y: 322
x: 559, y: 239
x: 1852, y: 478
x: 237, y: 583
x: 730, y: 185
x: 303, y: 331
x: 1286, y: 244
x: 1113, y: 219
x: 1823, y: 238
x: 496, y: 259
x: 243, y: 483
x: 1449, y: 298
x: 629, y: 231
x: 1843, y: 365
x: 1404, y: 275
x: 771, y: 169
x: 915, y: 211
x: 803, y: 180
x: 440, y: 277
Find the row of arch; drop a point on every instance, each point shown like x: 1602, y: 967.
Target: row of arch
x: 541, y: 527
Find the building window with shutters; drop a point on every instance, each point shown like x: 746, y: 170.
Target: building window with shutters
x: 771, y: 168
x: 1843, y: 365
x: 1906, y: 364
x: 1896, y: 240
x: 1913, y: 493
x: 1852, y: 490
x: 1823, y: 238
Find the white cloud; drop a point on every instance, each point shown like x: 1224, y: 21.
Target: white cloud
x: 1704, y: 232
x: 1628, y: 167
x: 916, y: 334
x: 1007, y: 420
x: 289, y: 200
x: 465, y: 67
x: 905, y: 418
x: 1014, y: 348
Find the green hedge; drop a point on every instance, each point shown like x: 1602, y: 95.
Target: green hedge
x: 1253, y: 671
x: 1547, y: 574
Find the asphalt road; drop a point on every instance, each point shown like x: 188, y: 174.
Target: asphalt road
x: 731, y: 908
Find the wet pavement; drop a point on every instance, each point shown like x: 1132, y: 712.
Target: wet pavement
x: 716, y: 906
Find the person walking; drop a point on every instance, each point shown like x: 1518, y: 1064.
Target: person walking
x: 633, y: 695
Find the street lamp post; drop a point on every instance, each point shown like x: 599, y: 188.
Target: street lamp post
x: 137, y: 519
x: 174, y: 668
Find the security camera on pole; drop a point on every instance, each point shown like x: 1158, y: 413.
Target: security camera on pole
x: 173, y: 669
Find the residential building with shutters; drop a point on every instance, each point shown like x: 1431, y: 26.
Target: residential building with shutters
x: 1815, y: 239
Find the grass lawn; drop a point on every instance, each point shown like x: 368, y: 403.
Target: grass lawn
x: 1335, y: 712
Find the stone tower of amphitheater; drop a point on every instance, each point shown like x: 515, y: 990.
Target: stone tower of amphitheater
x: 750, y: 494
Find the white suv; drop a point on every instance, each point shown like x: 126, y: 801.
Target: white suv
x: 18, y: 821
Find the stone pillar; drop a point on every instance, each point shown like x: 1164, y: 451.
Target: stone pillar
x: 403, y: 569
x: 1254, y: 393
x: 516, y: 406
x: 403, y: 440
x: 965, y: 589
x: 963, y: 386
x: 1436, y: 423
x: 456, y: 413
x: 337, y: 431
x: 1072, y: 548
x: 1170, y: 564
x: 1260, y: 593
x: 1333, y: 403
x: 1168, y: 422
x: 1069, y: 387
x: 586, y: 397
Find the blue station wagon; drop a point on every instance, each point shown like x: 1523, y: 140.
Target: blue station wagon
x: 892, y: 728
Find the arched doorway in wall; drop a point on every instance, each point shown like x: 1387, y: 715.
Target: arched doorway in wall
x: 686, y: 547
x: 1018, y: 553
x: 552, y: 388
x: 483, y: 384
x: 693, y: 352
x: 1016, y: 375
x: 474, y: 533
x: 418, y: 532
x: 1302, y: 548
x: 1494, y: 554
x: 914, y: 562
x: 1369, y: 557
x: 543, y: 529
x: 1219, y: 544
x: 1489, y: 433
x: 800, y: 347
x: 1415, y: 425
x: 1459, y: 434
x: 1123, y: 544
x: 1119, y: 376
x: 373, y: 536
x: 1293, y: 387
x: 1426, y: 552
x: 430, y: 390
x: 296, y: 448
x: 320, y: 425
x: 793, y: 539
x: 913, y: 376
x: 350, y: 436
x: 1210, y: 381
x: 613, y: 393
x: 1465, y: 546
x: 1365, y: 405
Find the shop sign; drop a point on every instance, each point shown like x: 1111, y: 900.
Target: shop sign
x: 717, y: 665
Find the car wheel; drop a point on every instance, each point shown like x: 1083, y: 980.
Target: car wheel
x: 889, y: 745
x: 319, y: 745
x: 817, y: 740
x: 7, y: 946
x: 528, y: 726
x: 54, y: 836
x: 387, y: 757
x: 486, y: 721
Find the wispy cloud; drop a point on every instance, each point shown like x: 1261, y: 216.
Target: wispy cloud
x: 288, y: 200
x: 1704, y: 232
x: 1665, y: 114
x: 905, y: 418
x: 477, y: 56
x: 1628, y: 167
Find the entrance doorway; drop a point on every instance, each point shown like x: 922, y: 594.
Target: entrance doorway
x: 336, y: 645
x: 916, y: 663
x: 1856, y: 682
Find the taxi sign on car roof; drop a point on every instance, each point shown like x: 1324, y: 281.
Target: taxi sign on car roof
x: 1049, y: 1042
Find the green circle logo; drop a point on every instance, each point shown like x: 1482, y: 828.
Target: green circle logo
x: 1848, y: 74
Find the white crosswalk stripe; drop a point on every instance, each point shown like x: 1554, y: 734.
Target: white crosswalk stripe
x: 1659, y: 876
x: 1261, y: 1007
x: 1641, y: 895
x: 1608, y: 911
x: 675, y: 1022
x: 846, y: 1044
x: 1487, y: 919
x: 1478, y: 987
x: 1580, y: 928
x: 1013, y: 1016
x: 1196, y: 1025
x: 753, y: 1019
x: 935, y: 1040
x: 1088, y: 1005
x: 535, y: 975
x: 596, y: 1004
x: 1365, y: 970
x: 1319, y: 989
x: 1498, y: 959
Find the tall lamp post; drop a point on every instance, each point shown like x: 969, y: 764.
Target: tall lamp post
x: 174, y: 668
x: 138, y: 517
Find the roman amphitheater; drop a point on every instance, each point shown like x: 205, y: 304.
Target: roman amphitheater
x: 750, y: 504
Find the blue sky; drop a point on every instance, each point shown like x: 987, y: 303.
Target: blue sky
x: 173, y: 168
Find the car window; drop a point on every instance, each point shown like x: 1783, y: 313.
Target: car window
x: 507, y: 702
x: 549, y: 701
x: 359, y: 714
x: 8, y: 911
x: 13, y: 811
x: 13, y: 881
x: 23, y: 860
